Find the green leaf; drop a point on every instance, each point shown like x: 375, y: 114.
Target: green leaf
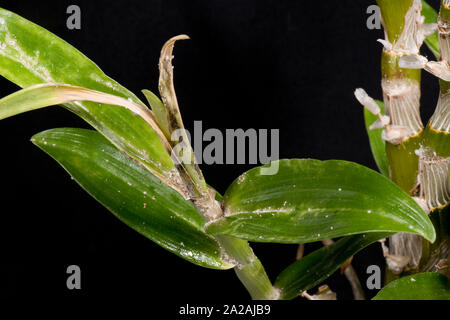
x: 132, y: 194
x: 421, y: 286
x: 310, y: 200
x: 432, y: 41
x: 377, y: 144
x: 31, y: 55
x: 311, y: 270
x: 159, y: 111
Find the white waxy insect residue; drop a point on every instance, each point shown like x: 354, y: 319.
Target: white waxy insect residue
x: 241, y: 178
x: 14, y: 51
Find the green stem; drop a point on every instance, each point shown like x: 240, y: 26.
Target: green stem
x: 403, y: 162
x: 393, y: 13
x: 401, y: 95
x: 249, y: 269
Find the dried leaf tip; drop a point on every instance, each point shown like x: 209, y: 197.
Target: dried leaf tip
x: 167, y: 49
x: 166, y: 86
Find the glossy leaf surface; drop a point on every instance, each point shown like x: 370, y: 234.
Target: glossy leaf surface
x: 421, y: 286
x: 314, y: 268
x: 310, y: 200
x: 132, y: 194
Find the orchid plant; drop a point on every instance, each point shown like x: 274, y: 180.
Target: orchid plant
x: 137, y: 162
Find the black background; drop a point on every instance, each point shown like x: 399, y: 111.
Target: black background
x: 291, y: 65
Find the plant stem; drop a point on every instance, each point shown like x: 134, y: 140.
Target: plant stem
x: 249, y: 269
x: 401, y: 95
x: 401, y: 91
x: 436, y: 256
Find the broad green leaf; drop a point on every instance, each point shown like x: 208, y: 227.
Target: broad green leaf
x: 31, y: 55
x: 310, y: 200
x: 44, y: 95
x: 317, y: 266
x: 421, y: 286
x: 432, y: 41
x: 377, y: 144
x: 133, y: 194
